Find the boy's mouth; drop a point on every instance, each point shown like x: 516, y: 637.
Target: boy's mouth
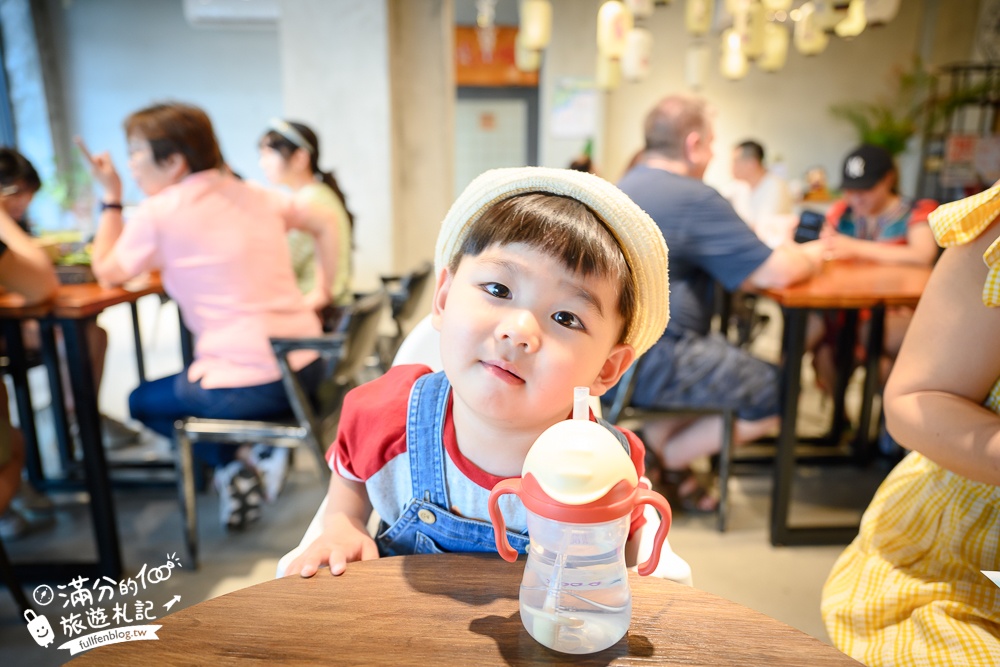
x: 502, y: 371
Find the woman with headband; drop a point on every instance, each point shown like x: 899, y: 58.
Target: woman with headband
x: 289, y: 156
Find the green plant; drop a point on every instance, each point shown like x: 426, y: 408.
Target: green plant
x: 67, y: 187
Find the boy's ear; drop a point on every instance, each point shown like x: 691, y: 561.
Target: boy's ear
x: 619, y: 359
x: 441, y: 290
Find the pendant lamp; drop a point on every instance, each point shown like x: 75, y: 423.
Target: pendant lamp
x: 776, y: 5
x: 536, y: 24
x: 753, y: 38
x: 698, y: 16
x: 775, y: 47
x: 614, y: 20
x: 526, y: 60
x: 695, y: 65
x: 641, y: 9
x: 855, y: 23
x: 810, y: 39
x: 635, y: 59
x: 734, y: 61
x: 609, y: 72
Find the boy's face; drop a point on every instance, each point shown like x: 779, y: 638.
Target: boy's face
x: 519, y: 331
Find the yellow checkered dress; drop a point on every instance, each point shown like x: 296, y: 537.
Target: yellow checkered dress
x: 908, y: 590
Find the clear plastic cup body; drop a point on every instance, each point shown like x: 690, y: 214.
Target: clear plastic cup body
x: 574, y: 595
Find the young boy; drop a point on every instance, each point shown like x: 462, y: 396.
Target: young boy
x: 547, y: 279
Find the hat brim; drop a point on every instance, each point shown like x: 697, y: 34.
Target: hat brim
x: 638, y: 236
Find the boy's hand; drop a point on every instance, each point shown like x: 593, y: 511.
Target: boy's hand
x: 335, y: 547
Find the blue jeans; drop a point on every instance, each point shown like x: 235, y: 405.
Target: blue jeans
x: 158, y: 404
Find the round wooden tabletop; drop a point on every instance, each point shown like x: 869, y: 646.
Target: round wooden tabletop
x: 451, y: 609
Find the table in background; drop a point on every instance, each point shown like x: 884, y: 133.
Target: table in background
x: 71, y: 309
x: 849, y: 286
x: 452, y: 609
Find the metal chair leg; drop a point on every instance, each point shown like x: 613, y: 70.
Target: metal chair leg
x: 725, y: 462
x: 186, y: 492
x: 7, y: 577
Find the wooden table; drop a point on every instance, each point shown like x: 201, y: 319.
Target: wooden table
x: 848, y: 286
x: 71, y: 309
x: 451, y: 609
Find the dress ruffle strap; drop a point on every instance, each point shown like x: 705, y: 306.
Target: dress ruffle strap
x: 959, y: 222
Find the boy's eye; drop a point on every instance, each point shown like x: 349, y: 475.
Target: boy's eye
x: 498, y: 290
x: 567, y: 319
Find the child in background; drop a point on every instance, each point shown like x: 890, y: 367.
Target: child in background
x: 289, y: 156
x: 547, y: 279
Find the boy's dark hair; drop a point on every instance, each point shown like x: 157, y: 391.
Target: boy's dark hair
x: 177, y: 128
x: 15, y: 168
x: 562, y: 228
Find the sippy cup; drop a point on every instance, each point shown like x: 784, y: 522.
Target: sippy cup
x: 579, y: 487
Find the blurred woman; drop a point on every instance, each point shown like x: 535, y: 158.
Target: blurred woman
x: 289, y: 156
x: 219, y: 245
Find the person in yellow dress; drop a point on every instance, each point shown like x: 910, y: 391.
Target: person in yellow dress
x: 909, y: 590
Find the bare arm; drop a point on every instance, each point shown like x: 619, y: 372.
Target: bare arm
x: 102, y: 260
x: 919, y: 248
x: 24, y: 268
x: 345, y: 538
x: 322, y: 224
x: 790, y: 263
x: 946, y: 367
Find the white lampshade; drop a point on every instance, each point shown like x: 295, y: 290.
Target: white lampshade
x: 776, y: 5
x: 881, y: 11
x: 614, y: 20
x: 828, y: 13
x: 695, y: 65
x: 733, y: 64
x: 525, y: 59
x: 536, y: 24
x: 635, y: 59
x: 641, y: 9
x: 775, y: 47
x: 855, y: 23
x: 810, y: 39
x: 609, y: 73
x: 753, y: 42
x: 698, y: 16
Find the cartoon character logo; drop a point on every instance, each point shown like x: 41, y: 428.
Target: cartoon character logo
x: 39, y: 628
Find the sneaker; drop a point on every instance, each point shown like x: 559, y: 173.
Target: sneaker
x: 12, y: 525
x: 240, y: 495
x: 116, y: 435
x: 31, y: 502
x: 272, y: 463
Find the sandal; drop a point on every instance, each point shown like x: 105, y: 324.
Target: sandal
x: 684, y: 492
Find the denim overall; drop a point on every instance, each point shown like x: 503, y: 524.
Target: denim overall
x: 426, y: 525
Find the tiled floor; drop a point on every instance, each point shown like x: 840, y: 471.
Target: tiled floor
x: 784, y: 583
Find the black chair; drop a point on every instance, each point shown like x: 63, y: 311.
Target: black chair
x: 622, y: 411
x: 405, y: 292
x: 315, y: 416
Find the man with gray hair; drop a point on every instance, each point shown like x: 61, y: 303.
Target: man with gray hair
x: 708, y: 243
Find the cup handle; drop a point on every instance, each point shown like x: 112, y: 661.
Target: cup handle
x: 512, y: 485
x: 645, y: 496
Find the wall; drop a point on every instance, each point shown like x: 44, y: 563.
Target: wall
x: 116, y: 56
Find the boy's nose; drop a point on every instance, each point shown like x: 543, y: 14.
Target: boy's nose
x: 520, y: 329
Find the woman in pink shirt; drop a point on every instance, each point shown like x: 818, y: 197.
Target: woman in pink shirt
x: 219, y: 244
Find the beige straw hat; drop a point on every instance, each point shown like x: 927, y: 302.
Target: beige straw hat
x: 640, y: 239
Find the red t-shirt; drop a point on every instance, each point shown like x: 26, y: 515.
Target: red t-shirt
x: 372, y: 437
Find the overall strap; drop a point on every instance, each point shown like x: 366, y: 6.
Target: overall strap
x: 425, y: 437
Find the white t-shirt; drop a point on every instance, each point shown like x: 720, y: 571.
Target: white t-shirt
x: 771, y: 197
